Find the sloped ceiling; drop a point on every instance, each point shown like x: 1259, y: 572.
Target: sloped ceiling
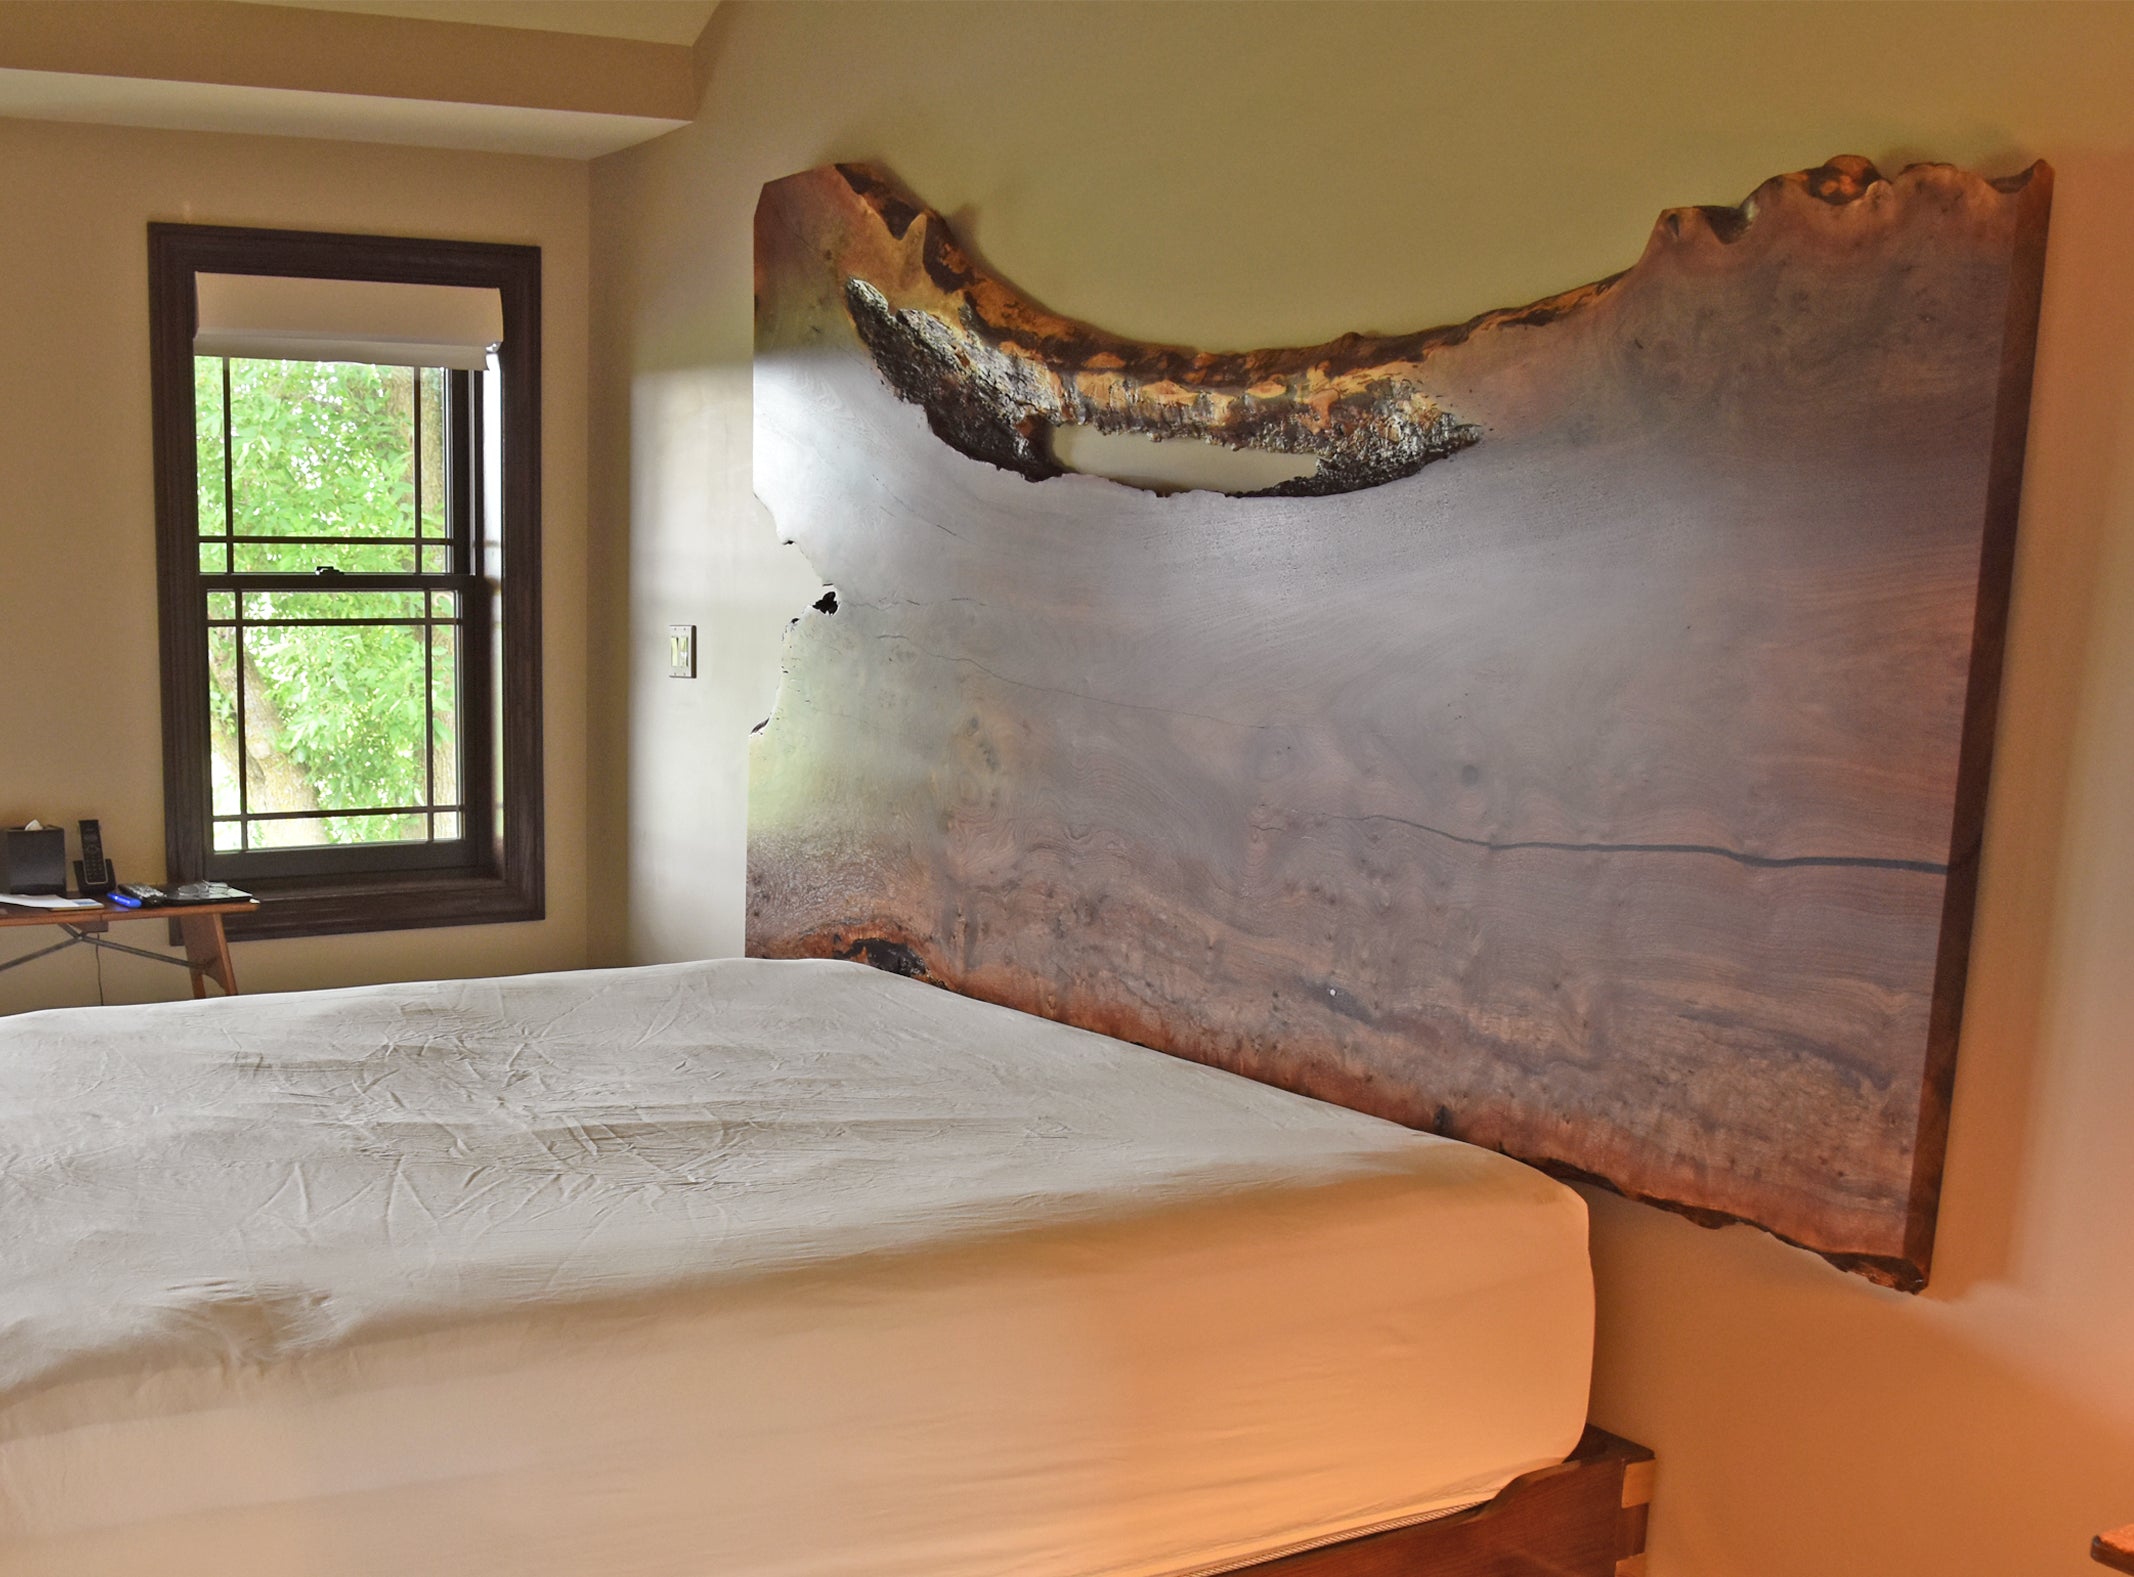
x: 649, y: 21
x: 558, y: 78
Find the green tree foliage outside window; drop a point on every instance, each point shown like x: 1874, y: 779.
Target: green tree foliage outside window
x: 337, y: 716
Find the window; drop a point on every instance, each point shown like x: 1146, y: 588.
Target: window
x: 348, y: 549
x: 337, y: 519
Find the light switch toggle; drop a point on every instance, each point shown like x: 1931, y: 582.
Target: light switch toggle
x: 681, y: 651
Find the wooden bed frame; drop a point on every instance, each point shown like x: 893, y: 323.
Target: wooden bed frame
x: 1585, y: 1517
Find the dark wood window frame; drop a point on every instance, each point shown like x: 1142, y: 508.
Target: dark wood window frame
x: 503, y: 880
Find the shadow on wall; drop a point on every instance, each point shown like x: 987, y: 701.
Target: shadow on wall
x: 2074, y: 485
x: 685, y: 741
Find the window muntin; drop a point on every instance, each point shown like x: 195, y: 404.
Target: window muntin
x: 339, y: 520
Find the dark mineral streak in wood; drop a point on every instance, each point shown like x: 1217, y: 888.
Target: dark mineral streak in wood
x: 1611, y: 797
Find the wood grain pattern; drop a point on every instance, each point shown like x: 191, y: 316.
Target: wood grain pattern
x: 207, y: 950
x: 1604, y: 786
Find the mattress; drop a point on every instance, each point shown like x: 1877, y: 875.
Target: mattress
x: 764, y: 1269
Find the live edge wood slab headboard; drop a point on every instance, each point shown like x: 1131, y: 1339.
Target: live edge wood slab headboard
x: 1587, y: 761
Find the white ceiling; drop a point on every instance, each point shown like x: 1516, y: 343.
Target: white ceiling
x: 653, y: 21
x: 347, y: 117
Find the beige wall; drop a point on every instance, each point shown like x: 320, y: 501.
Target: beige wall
x: 1246, y: 176
x: 79, y: 721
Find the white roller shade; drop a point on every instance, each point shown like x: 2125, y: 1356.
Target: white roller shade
x: 275, y: 318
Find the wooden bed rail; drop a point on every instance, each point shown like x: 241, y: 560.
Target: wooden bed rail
x: 2115, y: 1549
x: 1584, y: 1517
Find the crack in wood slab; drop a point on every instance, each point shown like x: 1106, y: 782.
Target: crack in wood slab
x: 1761, y: 862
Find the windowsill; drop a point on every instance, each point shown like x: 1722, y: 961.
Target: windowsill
x: 396, y: 901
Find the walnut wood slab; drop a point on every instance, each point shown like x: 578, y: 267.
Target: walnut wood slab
x: 1589, y: 761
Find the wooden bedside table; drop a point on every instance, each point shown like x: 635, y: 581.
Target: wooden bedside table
x: 198, y: 927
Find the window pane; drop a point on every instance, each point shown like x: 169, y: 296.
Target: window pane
x: 334, y: 720
x: 305, y: 558
x: 444, y: 724
x: 214, y: 558
x: 222, y: 719
x: 436, y: 561
x: 229, y: 837
x: 263, y: 606
x: 207, y: 444
x: 432, y: 382
x: 222, y: 605
x: 323, y: 449
x: 488, y: 533
x: 448, y: 827
x: 310, y: 832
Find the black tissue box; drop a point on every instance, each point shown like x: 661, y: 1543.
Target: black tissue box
x: 33, y: 862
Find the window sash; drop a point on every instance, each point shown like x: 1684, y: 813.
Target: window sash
x: 461, y: 393
x: 462, y: 487
x: 459, y: 849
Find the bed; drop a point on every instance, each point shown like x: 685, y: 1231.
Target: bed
x: 1610, y: 797
x: 738, y: 1267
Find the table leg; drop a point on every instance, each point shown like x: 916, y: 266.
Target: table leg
x: 207, y: 950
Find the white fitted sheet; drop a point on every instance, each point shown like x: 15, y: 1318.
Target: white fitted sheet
x: 742, y: 1268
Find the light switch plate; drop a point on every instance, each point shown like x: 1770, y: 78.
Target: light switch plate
x: 681, y: 651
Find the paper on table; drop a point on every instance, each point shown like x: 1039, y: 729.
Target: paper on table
x: 46, y: 901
